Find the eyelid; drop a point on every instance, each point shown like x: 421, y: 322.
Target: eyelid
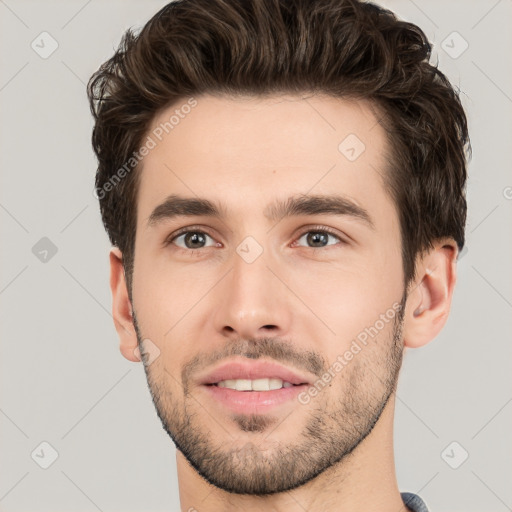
x: 322, y: 229
x: 196, y: 229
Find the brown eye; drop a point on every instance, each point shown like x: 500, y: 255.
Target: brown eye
x: 192, y: 240
x: 319, y: 238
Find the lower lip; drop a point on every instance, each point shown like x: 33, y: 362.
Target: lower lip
x: 253, y: 402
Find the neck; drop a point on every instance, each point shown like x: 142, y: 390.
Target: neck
x: 364, y: 480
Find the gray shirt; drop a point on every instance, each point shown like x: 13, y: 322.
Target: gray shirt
x: 414, y: 502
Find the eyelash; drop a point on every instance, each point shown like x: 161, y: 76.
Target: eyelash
x: 192, y: 229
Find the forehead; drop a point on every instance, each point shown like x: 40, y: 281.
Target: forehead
x: 249, y: 151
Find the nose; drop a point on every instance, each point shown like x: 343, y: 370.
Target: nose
x: 253, y: 301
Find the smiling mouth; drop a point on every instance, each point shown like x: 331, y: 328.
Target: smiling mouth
x: 264, y: 384
x: 256, y: 396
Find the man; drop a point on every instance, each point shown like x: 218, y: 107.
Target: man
x: 283, y: 183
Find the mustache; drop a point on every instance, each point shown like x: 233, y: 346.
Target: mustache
x: 273, y: 348
x: 255, y: 348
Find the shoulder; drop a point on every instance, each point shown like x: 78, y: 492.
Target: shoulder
x: 414, y: 502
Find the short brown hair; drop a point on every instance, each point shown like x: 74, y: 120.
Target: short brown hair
x: 343, y: 48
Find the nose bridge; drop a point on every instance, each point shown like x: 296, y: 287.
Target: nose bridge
x: 252, y: 297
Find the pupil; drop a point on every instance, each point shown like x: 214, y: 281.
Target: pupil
x: 314, y: 237
x: 193, y: 237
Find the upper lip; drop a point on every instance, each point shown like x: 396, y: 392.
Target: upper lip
x: 253, y: 370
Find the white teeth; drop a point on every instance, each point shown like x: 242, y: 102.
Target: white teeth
x: 275, y: 383
x: 243, y: 385
x: 254, y: 385
x: 260, y: 385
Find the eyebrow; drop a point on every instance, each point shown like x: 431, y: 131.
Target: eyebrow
x: 179, y: 206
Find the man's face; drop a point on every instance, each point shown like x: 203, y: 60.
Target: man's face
x: 252, y: 287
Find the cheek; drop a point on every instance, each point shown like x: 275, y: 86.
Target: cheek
x: 167, y: 297
x: 348, y: 298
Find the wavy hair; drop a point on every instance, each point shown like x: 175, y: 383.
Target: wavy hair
x: 343, y: 48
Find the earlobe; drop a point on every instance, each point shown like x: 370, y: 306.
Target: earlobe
x: 430, y: 295
x: 121, y: 307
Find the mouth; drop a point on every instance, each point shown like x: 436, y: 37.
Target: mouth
x: 260, y: 385
x: 263, y: 375
x: 253, y: 387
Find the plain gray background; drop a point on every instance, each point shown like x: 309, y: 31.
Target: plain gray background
x: 63, y: 379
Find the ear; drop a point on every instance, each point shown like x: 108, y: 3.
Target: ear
x: 122, y: 307
x: 430, y: 294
